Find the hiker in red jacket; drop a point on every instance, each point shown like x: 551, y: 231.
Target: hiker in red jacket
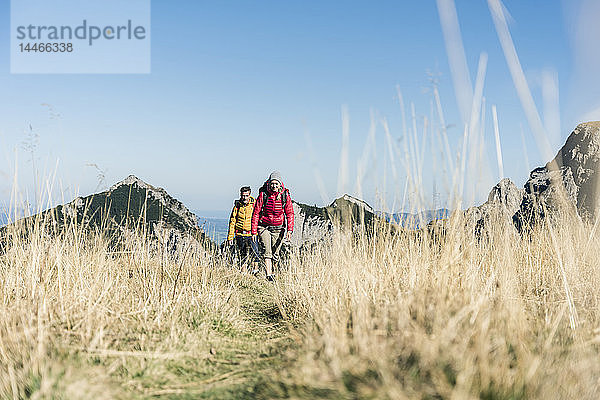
x: 273, y: 215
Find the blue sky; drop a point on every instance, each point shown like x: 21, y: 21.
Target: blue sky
x: 235, y: 87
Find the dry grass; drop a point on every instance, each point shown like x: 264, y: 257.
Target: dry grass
x: 80, y: 321
x: 394, y: 316
x: 405, y: 317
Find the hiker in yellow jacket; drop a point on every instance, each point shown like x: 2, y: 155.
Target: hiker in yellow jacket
x: 240, y: 225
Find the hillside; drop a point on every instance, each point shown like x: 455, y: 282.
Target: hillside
x: 130, y: 205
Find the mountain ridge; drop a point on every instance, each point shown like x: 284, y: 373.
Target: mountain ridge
x: 129, y: 205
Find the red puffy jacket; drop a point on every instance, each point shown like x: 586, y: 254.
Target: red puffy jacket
x: 269, y: 210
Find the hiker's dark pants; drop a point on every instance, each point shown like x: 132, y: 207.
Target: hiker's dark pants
x: 246, y: 247
x: 272, y: 238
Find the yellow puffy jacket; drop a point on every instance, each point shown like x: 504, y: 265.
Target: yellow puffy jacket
x: 240, y: 221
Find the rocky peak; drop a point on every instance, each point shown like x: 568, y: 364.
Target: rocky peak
x: 353, y: 200
x: 129, y: 208
x: 503, y: 201
x: 571, y: 178
x: 154, y: 194
x: 131, y: 180
x: 507, y: 194
x: 314, y: 223
x: 581, y: 156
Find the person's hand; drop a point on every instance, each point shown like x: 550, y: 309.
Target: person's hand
x: 288, y: 235
x: 230, y: 242
x: 254, y: 237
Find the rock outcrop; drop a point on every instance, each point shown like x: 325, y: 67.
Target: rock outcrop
x: 505, y: 196
x: 503, y: 201
x: 314, y: 224
x: 131, y: 202
x: 130, y: 208
x: 570, y: 180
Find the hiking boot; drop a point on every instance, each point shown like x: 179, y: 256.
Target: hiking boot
x: 254, y: 272
x: 270, y: 278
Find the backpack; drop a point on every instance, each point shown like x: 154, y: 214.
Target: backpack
x: 238, y: 203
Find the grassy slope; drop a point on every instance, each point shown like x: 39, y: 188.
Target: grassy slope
x: 80, y: 322
x: 389, y: 316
